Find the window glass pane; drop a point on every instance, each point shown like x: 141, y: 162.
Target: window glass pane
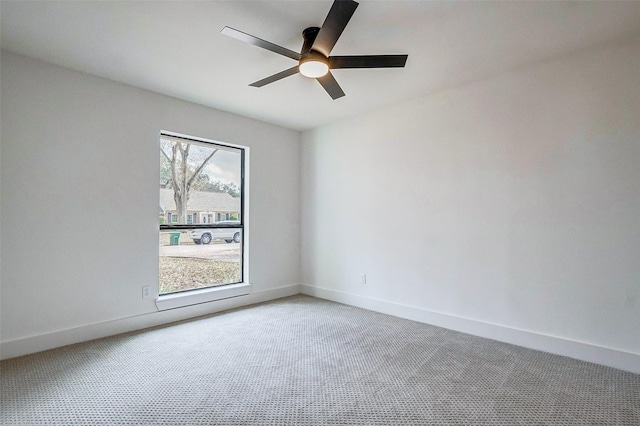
x: 198, y: 182
x: 186, y: 265
x: 200, y: 186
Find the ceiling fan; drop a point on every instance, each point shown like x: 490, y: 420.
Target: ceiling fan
x: 314, y: 60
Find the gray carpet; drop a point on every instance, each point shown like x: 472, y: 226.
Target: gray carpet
x: 305, y: 361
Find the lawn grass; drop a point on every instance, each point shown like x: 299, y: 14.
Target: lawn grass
x: 184, y: 273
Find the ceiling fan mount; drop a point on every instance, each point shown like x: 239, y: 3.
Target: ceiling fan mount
x: 309, y: 36
x: 314, y: 60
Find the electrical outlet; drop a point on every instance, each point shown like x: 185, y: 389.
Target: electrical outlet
x: 146, y: 292
x: 363, y: 279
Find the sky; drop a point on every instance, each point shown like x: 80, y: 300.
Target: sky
x: 223, y: 166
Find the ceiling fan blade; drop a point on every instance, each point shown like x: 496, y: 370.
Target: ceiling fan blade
x: 275, y: 77
x: 368, y: 61
x: 247, y: 38
x: 330, y: 84
x: 335, y: 22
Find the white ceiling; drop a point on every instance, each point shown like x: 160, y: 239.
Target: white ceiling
x: 175, y: 48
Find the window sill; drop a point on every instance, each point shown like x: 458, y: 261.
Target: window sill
x: 194, y: 297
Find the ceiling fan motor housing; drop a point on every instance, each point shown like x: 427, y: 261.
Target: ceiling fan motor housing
x: 312, y: 63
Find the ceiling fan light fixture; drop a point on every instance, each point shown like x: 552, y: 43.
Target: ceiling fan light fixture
x: 314, y: 66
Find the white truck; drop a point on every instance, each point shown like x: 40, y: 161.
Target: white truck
x: 206, y: 235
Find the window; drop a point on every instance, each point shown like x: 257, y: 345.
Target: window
x: 200, y: 180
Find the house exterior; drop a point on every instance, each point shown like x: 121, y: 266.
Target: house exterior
x: 202, y: 207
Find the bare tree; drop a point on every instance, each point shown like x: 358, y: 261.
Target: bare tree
x: 184, y: 172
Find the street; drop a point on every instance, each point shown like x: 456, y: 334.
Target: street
x: 227, y: 252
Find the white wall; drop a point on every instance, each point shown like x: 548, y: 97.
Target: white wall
x: 508, y: 208
x: 79, y: 190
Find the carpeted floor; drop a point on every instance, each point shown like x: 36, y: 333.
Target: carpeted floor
x: 306, y: 361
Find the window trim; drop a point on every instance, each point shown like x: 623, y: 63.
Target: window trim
x: 210, y: 294
x: 201, y: 295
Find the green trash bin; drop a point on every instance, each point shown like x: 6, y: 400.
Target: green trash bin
x: 175, y: 238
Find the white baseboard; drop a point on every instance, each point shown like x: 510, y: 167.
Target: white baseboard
x: 56, y: 339
x: 556, y: 345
